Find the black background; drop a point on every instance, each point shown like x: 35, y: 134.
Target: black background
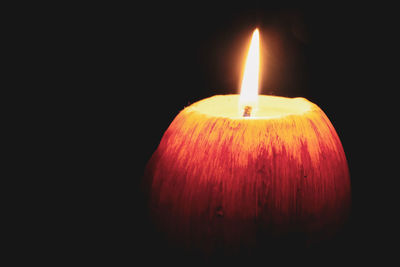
x: 141, y: 64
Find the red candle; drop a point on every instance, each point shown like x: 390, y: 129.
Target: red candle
x: 232, y: 171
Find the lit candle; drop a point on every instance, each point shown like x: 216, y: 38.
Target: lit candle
x: 237, y: 169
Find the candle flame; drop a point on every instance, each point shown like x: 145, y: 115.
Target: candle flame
x: 249, y: 90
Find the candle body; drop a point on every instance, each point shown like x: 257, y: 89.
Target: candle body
x: 218, y: 180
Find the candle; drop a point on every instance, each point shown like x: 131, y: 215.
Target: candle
x: 232, y: 171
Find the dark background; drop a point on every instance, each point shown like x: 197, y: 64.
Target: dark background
x: 142, y: 64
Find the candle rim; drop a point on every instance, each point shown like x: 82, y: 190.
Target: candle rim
x: 225, y: 106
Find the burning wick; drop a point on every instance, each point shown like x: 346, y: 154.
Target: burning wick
x: 247, y: 111
x: 248, y: 99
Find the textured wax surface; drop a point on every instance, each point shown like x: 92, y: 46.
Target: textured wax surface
x: 220, y: 182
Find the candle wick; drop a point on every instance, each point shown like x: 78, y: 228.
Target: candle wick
x: 247, y: 111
